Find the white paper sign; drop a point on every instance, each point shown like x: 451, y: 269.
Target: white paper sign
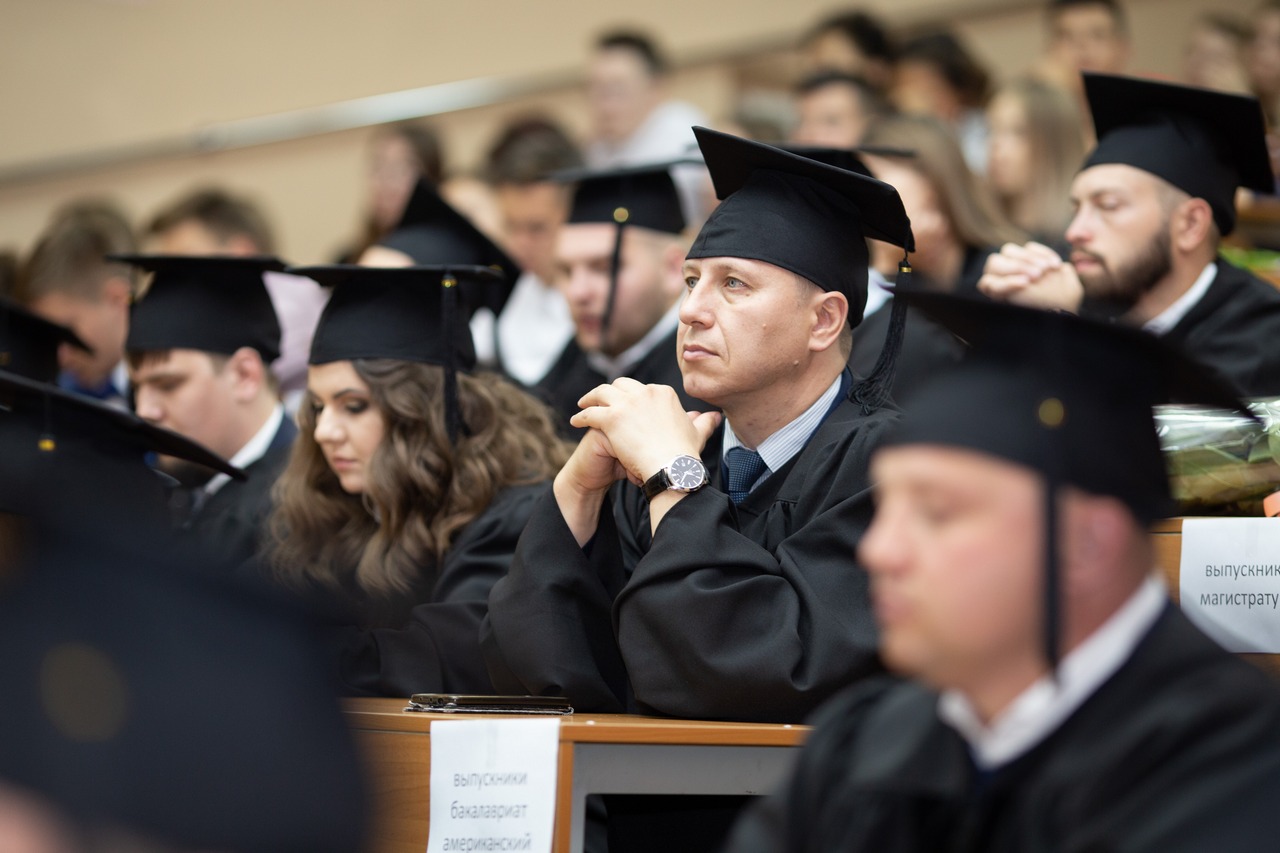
x: 1230, y: 581
x: 493, y: 785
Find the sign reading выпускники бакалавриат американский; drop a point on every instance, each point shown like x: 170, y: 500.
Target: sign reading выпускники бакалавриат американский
x: 493, y: 785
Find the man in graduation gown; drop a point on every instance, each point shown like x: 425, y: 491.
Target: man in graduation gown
x: 1153, y: 201
x: 1063, y: 702
x: 200, y: 342
x: 727, y: 596
x: 618, y: 260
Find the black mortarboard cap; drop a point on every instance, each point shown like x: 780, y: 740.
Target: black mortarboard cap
x: 148, y: 691
x: 432, y: 233
x: 1204, y: 142
x: 406, y: 313
x: 840, y: 158
x: 69, y: 459
x: 1066, y: 397
x: 640, y: 196
x: 212, y: 304
x: 29, y: 343
x: 808, y: 217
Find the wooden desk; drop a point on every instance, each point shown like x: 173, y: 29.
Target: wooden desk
x: 599, y: 754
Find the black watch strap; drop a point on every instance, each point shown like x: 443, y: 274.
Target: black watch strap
x: 657, y: 484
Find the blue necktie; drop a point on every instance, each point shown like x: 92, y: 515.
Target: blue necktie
x: 745, y: 467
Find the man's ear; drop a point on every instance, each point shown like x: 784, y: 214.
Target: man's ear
x: 1191, y: 225
x: 117, y: 291
x: 249, y: 374
x: 673, y: 265
x: 1098, y: 533
x: 830, y: 314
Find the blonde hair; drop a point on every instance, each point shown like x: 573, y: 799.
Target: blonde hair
x: 421, y: 489
x: 1057, y: 149
x: 967, y: 203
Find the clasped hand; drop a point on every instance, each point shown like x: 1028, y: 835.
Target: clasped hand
x: 633, y: 430
x: 1033, y: 276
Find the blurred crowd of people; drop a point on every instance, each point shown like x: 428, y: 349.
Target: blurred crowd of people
x: 408, y: 454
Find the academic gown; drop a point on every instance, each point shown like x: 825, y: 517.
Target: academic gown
x: 425, y: 640
x: 231, y: 525
x: 927, y: 349
x: 756, y: 612
x: 1178, y: 751
x: 1235, y: 330
x: 573, y: 376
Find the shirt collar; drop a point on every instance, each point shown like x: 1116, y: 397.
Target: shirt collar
x: 253, y: 450
x: 777, y: 449
x: 1045, y: 705
x: 612, y: 368
x: 877, y: 292
x: 1169, y: 317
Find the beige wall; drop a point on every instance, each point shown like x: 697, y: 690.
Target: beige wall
x: 84, y: 75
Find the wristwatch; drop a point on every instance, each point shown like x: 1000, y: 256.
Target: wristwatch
x: 682, y: 474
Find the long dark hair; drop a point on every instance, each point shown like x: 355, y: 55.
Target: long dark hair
x: 421, y: 489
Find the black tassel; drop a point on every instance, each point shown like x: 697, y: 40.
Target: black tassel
x: 47, y: 443
x: 1052, y: 573
x: 449, y: 310
x: 1052, y: 414
x: 873, y: 392
x: 621, y: 215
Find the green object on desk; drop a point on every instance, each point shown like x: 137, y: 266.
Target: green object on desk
x: 1220, y: 462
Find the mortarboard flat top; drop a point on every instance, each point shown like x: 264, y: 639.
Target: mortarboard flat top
x: 212, y: 304
x: 1067, y: 397
x: 62, y: 413
x: 433, y: 233
x: 1204, y: 142
x: 398, y: 312
x: 29, y: 343
x: 841, y: 158
x: 73, y: 463
x: 640, y: 196
x: 797, y: 213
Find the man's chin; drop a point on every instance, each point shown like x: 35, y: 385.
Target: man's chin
x: 1106, y: 298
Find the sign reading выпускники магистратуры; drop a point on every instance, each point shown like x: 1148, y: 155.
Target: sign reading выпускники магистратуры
x: 1229, y: 581
x: 493, y: 785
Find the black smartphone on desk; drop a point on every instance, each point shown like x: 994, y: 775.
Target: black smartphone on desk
x: 462, y: 703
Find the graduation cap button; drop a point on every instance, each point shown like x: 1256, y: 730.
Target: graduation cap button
x: 621, y: 215
x: 1051, y: 413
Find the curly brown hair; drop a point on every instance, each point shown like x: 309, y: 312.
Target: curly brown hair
x: 421, y: 489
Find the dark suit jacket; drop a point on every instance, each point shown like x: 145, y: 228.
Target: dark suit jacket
x: 231, y: 524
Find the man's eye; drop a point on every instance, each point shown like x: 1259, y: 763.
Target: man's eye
x: 733, y: 283
x: 691, y: 282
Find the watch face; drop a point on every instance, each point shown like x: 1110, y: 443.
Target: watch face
x: 686, y: 473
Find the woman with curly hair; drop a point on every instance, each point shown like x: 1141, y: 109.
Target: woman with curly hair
x: 411, y: 478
